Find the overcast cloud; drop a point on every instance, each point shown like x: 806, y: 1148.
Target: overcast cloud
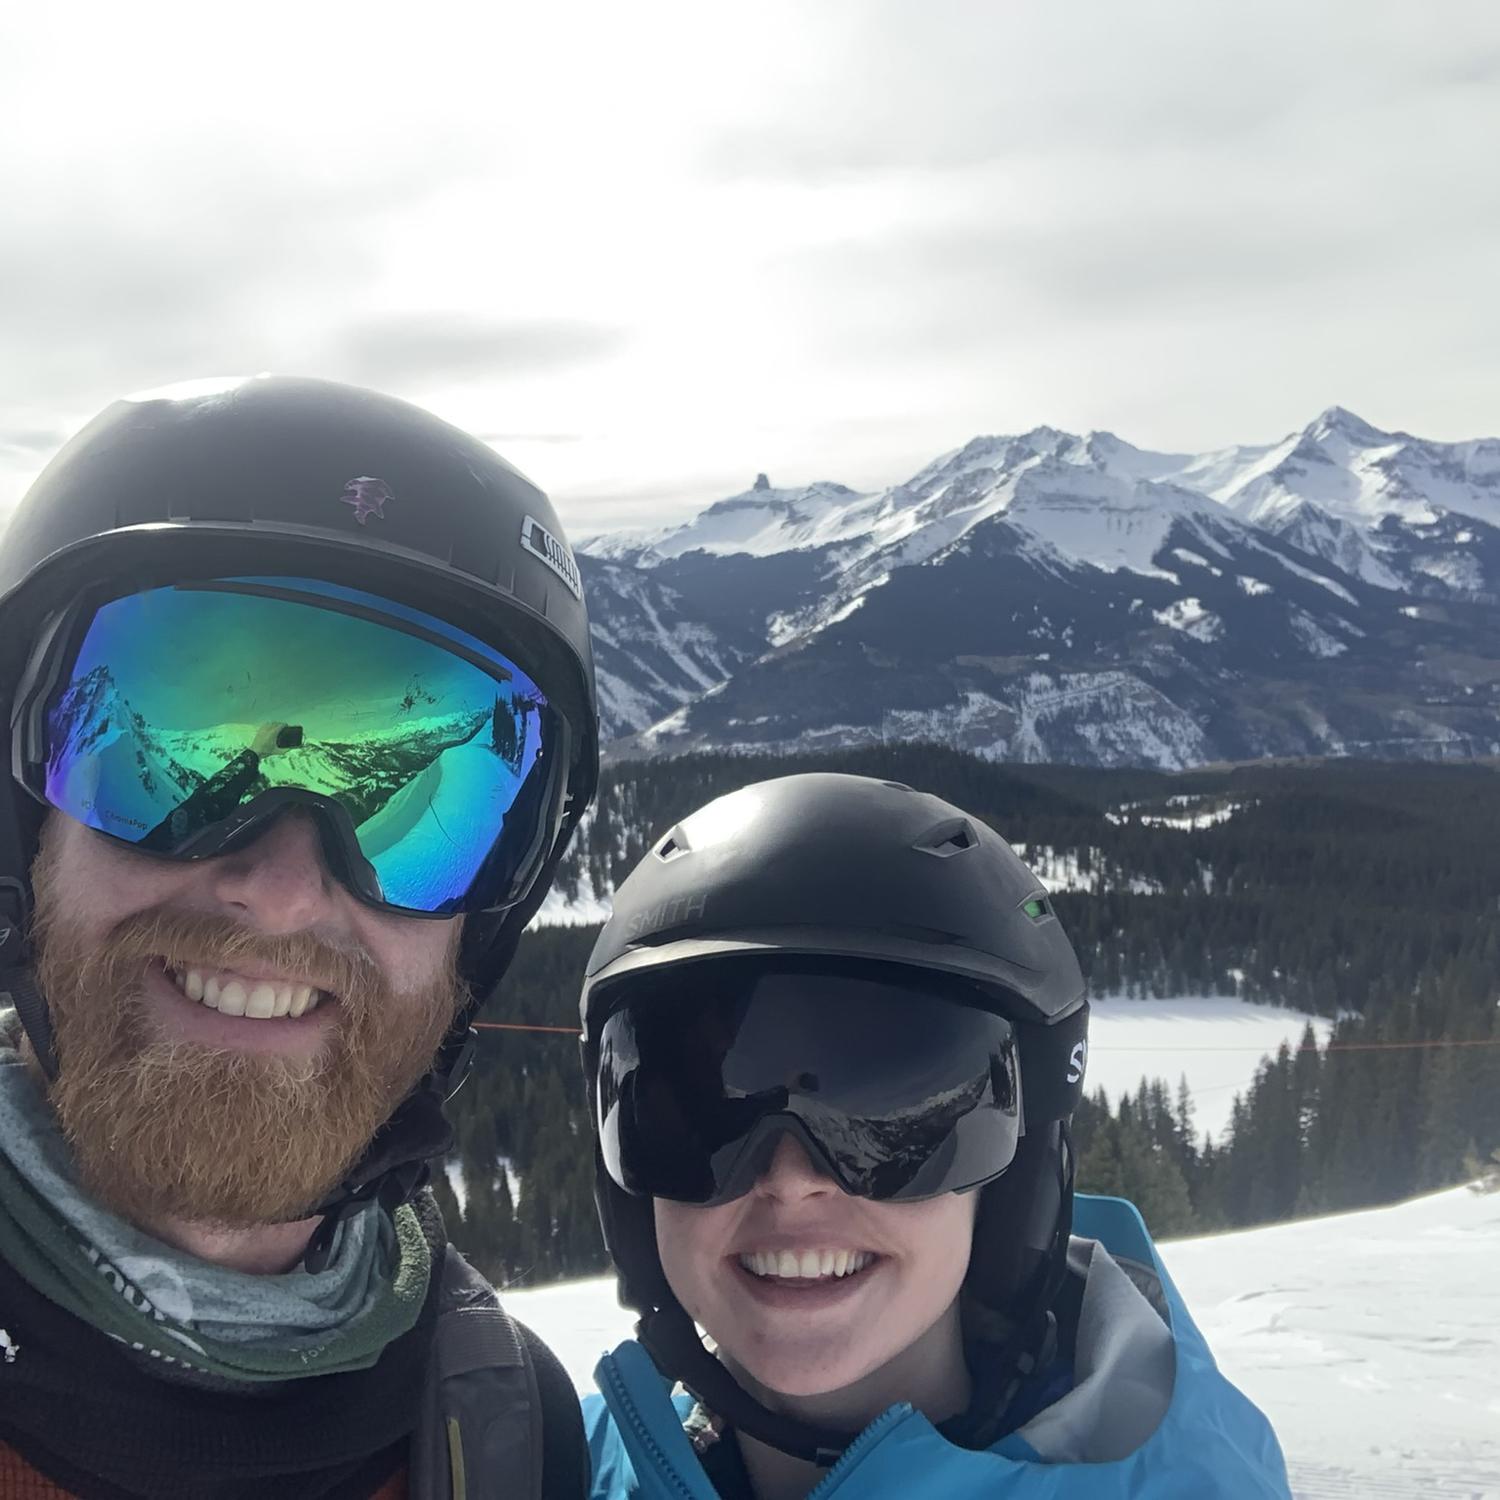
x: 650, y: 250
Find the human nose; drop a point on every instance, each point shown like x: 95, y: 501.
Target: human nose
x: 280, y: 882
x: 792, y: 1174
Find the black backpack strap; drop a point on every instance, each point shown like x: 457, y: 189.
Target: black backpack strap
x: 490, y: 1428
x: 567, y: 1469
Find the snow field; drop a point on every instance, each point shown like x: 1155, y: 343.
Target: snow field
x: 1371, y: 1339
x: 1216, y: 1041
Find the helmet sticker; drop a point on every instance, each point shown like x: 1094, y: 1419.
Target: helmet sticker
x: 540, y: 542
x: 368, y: 496
x: 1078, y: 1061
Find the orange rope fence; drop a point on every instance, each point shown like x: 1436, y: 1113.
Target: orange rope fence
x: 1256, y: 1047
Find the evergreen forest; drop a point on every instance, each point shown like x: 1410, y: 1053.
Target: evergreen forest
x: 1365, y: 892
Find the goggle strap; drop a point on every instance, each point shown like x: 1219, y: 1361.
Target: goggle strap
x: 1054, y: 1063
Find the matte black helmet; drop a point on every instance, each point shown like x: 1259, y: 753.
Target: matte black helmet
x: 834, y: 867
x: 282, y: 475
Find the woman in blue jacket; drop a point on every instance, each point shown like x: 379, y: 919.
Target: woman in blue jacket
x: 834, y: 1036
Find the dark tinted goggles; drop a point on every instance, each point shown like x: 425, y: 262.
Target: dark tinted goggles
x: 179, y: 719
x: 896, y: 1091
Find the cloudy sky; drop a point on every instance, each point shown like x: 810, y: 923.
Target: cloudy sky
x: 650, y: 249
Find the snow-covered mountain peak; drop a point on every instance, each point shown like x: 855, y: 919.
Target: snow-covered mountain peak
x: 1045, y: 441
x: 1112, y: 452
x: 1360, y: 474
x: 760, y: 521
x: 1340, y: 422
x: 1353, y: 473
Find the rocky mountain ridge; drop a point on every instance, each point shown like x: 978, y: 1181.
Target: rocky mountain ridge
x: 1050, y: 596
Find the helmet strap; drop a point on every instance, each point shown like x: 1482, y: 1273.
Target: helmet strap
x: 1032, y: 1342
x: 18, y: 986
x: 672, y: 1341
x: 17, y: 982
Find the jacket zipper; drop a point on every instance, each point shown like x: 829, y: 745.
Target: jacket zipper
x: 850, y: 1456
x: 627, y: 1408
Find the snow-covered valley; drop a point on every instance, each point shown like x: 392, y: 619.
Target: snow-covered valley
x: 1216, y: 1042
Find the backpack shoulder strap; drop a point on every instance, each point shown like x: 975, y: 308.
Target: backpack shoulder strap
x: 479, y: 1436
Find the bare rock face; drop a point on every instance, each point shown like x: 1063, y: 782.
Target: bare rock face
x: 762, y: 482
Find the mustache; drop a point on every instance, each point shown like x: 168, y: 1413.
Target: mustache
x: 201, y: 940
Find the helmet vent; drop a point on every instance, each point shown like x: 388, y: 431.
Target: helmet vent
x: 948, y: 839
x: 674, y: 844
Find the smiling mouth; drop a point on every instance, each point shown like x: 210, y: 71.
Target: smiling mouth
x: 237, y: 995
x: 805, y: 1265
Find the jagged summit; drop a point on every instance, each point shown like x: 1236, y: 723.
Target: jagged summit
x: 1339, y: 421
x: 1334, y: 479
x: 1056, y: 595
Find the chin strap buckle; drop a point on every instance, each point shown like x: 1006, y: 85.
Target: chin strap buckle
x: 390, y: 1190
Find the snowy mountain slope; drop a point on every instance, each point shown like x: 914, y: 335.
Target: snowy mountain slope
x: 1371, y: 1340
x: 1234, y: 646
x: 1055, y: 596
x: 1360, y: 473
x: 649, y: 655
x: 669, y: 629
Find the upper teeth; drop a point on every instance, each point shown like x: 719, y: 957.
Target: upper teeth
x: 254, y: 999
x: 805, y: 1264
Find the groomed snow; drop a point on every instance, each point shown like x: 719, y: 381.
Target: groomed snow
x: 1371, y: 1340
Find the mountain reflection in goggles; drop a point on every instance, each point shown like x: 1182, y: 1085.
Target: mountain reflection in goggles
x: 899, y: 1093
x: 430, y: 750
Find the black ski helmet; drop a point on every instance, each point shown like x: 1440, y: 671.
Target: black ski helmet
x: 832, y: 866
x: 278, y: 474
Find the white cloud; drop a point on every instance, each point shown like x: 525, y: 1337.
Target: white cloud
x: 665, y: 246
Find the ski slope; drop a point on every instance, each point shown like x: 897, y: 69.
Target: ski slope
x: 1371, y: 1340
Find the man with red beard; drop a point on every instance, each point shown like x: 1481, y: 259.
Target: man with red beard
x: 303, y: 716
